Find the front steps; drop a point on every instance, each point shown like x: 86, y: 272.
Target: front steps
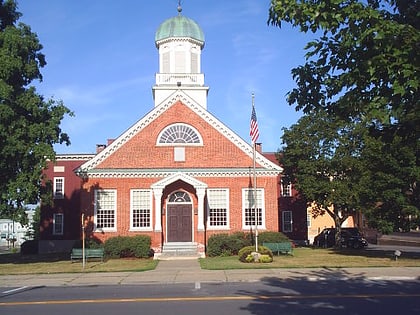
x: 179, y: 250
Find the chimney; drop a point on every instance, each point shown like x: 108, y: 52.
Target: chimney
x: 109, y: 141
x: 258, y: 147
x: 100, y: 148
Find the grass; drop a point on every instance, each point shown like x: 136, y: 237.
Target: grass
x: 14, y: 263
x: 318, y: 258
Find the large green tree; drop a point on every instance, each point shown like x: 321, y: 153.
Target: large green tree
x: 29, y: 124
x: 322, y: 159
x: 364, y: 70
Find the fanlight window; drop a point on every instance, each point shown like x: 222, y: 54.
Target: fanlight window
x: 179, y: 196
x: 181, y: 134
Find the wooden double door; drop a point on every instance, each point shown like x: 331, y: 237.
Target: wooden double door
x: 179, y: 222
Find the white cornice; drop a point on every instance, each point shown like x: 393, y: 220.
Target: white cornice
x: 74, y: 157
x: 148, y: 173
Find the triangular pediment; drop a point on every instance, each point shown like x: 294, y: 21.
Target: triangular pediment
x: 178, y: 176
x: 178, y: 106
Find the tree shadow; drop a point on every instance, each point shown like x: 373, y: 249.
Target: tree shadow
x: 378, y: 252
x: 326, y: 291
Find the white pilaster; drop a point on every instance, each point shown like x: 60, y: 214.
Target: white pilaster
x: 157, y: 192
x: 200, y: 194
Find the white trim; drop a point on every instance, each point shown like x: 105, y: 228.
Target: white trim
x: 158, y: 173
x: 227, y: 203
x: 62, y: 193
x: 176, y: 96
x: 150, y: 227
x: 100, y: 229
x: 183, y: 144
x: 55, y: 224
x: 283, y: 220
x: 178, y: 176
x: 261, y: 198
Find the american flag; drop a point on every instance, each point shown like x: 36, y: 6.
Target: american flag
x: 254, y: 132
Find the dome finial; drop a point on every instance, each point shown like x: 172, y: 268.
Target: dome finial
x: 179, y: 7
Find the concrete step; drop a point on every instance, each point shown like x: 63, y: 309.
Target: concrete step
x: 179, y: 250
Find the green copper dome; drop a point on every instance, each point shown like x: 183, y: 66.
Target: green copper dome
x: 179, y: 26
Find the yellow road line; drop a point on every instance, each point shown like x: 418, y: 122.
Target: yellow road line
x: 207, y: 298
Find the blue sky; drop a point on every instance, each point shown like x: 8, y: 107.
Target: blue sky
x: 102, y: 60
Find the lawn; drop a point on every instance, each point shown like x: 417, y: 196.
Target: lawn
x: 306, y: 257
x: 55, y: 263
x: 14, y: 263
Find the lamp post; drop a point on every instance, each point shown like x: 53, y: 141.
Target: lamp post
x: 83, y: 241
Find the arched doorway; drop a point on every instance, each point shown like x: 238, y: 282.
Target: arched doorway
x: 179, y: 217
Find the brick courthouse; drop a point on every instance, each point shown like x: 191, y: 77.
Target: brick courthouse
x: 178, y: 174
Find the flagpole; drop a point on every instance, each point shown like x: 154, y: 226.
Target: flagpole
x: 255, y: 184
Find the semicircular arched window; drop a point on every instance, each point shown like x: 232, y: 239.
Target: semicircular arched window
x: 179, y: 196
x: 179, y: 134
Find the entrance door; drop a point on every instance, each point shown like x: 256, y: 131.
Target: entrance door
x: 179, y: 223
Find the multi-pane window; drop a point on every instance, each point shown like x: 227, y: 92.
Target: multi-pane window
x: 179, y: 134
x: 141, y: 209
x: 218, y: 208
x: 58, y: 224
x: 286, y: 189
x: 58, y: 187
x: 253, y: 208
x: 308, y: 219
x: 105, y: 209
x: 287, y: 221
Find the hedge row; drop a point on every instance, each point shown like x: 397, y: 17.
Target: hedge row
x: 128, y: 246
x: 230, y: 244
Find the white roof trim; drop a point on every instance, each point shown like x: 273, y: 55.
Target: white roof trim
x: 178, y: 95
x: 178, y: 176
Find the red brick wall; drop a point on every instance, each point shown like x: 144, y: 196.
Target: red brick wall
x: 141, y: 150
x: 69, y: 206
x: 124, y: 185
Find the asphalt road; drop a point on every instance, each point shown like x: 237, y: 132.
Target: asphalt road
x: 272, y: 296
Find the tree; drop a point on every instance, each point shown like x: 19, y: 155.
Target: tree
x: 364, y: 70
x: 29, y: 124
x: 321, y: 157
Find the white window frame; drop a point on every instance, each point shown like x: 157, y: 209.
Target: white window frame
x: 286, y: 189
x: 287, y: 225
x: 222, y: 203
x: 247, y: 203
x: 114, y: 208
x: 58, y: 227
x: 179, y: 134
x: 56, y: 192
x: 308, y: 219
x: 148, y: 195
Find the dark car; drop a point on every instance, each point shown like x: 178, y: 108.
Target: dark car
x: 349, y: 237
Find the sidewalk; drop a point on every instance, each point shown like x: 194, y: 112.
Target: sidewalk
x: 189, y: 271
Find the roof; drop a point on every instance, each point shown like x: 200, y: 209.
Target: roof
x: 179, y: 26
x: 266, y: 165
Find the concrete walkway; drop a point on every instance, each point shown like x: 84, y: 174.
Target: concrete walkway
x: 189, y: 271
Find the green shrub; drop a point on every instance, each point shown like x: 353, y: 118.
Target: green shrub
x: 227, y: 244
x: 128, y: 246
x: 249, y: 258
x: 29, y: 247
x: 266, y: 259
x: 246, y: 251
x: 272, y: 237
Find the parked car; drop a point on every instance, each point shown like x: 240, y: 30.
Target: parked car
x: 349, y: 237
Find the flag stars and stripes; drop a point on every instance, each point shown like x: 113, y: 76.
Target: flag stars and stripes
x: 254, y: 132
